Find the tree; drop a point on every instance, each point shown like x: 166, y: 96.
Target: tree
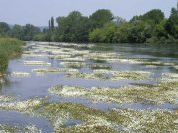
x: 74, y: 27
x: 4, y: 27
x: 139, y: 31
x: 121, y: 34
x: 17, y: 32
x: 135, y: 18
x: 40, y: 37
x: 160, y: 30
x: 172, y: 23
x: 100, y: 18
x: 155, y: 15
x: 105, y: 34
x: 119, y: 20
x: 52, y: 23
x: 29, y: 31
x: 49, y: 25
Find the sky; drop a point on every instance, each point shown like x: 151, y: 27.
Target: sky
x: 38, y: 12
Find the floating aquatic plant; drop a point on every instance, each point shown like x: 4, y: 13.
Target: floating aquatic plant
x: 87, y: 76
x: 63, y: 56
x: 112, y: 75
x: 100, y: 55
x: 4, y: 98
x: 134, y: 75
x: 76, y: 59
x: 155, y: 94
x: 168, y: 77
x: 73, y: 64
x: 36, y: 55
x: 68, y: 90
x: 147, y: 120
x: 41, y: 63
x: 176, y: 67
x: 46, y: 70
x: 115, y: 120
x: 20, y: 74
x: 4, y: 128
x: 27, y: 106
x: 99, y: 66
x: 140, y: 61
x: 59, y: 113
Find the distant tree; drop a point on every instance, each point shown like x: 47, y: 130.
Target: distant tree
x: 121, y: 34
x: 160, y: 30
x: 17, y: 32
x: 135, y: 18
x: 172, y: 23
x: 4, y: 27
x: 49, y: 25
x: 52, y: 23
x: 119, y: 20
x: 74, y: 27
x: 29, y: 31
x: 139, y: 31
x: 40, y: 37
x: 105, y: 34
x: 95, y: 35
x: 101, y: 26
x: 155, y: 15
x: 45, y: 30
x: 99, y: 18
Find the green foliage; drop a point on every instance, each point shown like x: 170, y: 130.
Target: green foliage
x: 52, y: 23
x: 99, y: 18
x: 4, y: 27
x: 40, y: 37
x: 155, y: 15
x: 73, y: 28
x: 151, y: 27
x: 29, y: 31
x: 139, y: 31
x: 3, y: 61
x: 160, y: 30
x: 121, y: 34
x: 26, y: 32
x: 17, y: 32
x: 118, y: 20
x: 103, y: 27
x: 9, y: 48
x: 94, y: 36
x: 105, y: 34
x: 172, y: 23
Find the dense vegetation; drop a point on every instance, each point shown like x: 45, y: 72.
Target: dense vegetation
x: 9, y: 48
x: 102, y: 26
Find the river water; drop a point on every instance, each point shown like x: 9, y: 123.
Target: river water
x: 37, y: 85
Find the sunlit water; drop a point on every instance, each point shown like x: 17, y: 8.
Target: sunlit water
x: 37, y: 85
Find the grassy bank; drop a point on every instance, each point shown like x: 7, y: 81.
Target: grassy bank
x: 9, y: 48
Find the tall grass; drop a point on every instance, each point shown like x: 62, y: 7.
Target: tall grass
x: 9, y: 48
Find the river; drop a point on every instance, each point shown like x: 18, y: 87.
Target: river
x: 154, y: 59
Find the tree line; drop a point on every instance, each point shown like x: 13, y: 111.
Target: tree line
x: 102, y: 26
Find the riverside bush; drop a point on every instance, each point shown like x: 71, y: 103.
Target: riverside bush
x: 9, y: 48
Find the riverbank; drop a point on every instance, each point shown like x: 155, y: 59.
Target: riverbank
x: 9, y: 48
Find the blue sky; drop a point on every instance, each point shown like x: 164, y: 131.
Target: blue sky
x: 38, y: 12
